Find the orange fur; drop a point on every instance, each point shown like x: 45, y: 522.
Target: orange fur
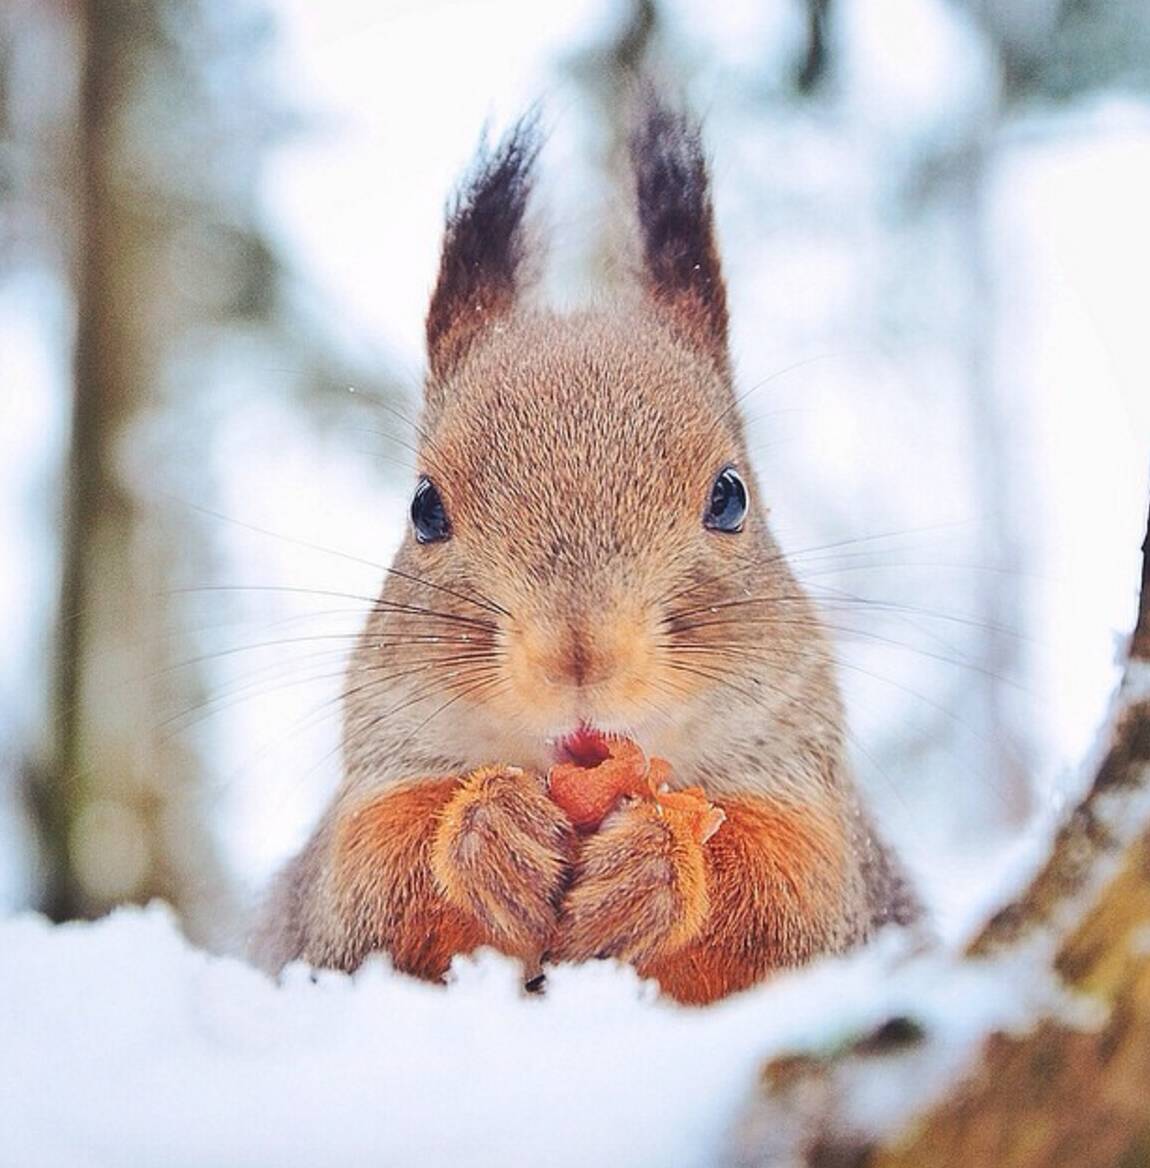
x: 501, y: 852
x: 384, y: 888
x: 776, y: 881
x: 639, y: 888
x: 443, y: 866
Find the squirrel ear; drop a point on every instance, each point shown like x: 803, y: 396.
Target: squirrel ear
x: 482, y: 247
x: 681, y: 266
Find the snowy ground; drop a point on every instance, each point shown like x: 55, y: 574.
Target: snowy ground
x: 135, y: 1049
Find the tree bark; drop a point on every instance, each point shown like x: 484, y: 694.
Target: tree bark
x: 1066, y: 1092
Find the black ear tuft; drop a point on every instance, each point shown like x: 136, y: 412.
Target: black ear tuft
x: 482, y: 246
x: 676, y: 224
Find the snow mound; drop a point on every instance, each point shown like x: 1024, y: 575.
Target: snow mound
x: 123, y: 1046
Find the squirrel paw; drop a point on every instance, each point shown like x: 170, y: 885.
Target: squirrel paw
x: 639, y: 889
x: 502, y: 851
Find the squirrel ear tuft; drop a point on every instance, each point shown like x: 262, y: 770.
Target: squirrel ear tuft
x: 681, y: 266
x: 483, y: 246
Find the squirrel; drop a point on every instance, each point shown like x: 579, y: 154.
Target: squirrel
x: 588, y: 563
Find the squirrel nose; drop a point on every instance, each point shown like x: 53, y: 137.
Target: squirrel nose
x: 553, y: 654
x: 575, y: 658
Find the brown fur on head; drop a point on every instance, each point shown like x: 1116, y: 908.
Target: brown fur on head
x: 575, y: 459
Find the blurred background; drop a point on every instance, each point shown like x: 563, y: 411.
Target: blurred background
x: 219, y: 225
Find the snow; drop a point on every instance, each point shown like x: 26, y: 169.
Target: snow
x: 134, y: 1048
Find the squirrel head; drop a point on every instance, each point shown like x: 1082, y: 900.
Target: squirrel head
x: 587, y: 547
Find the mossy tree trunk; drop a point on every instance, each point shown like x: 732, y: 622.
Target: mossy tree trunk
x: 1068, y: 1091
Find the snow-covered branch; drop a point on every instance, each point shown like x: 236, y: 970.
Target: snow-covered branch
x: 1069, y: 1086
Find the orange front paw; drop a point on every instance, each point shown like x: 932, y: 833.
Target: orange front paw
x: 639, y: 888
x: 502, y: 851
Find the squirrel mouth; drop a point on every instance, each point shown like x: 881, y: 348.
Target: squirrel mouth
x: 585, y: 747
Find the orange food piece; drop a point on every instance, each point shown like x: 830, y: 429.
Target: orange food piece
x: 603, y: 769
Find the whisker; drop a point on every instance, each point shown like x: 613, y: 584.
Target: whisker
x: 458, y: 697
x: 850, y: 600
x: 385, y: 642
x: 864, y: 633
x: 834, y: 566
x: 484, y: 602
x: 835, y: 727
x: 894, y: 533
x: 742, y: 397
x: 744, y: 653
x: 777, y: 598
x: 709, y: 676
x: 354, y: 735
x: 254, y: 689
x: 838, y: 729
x: 220, y: 703
x: 902, y: 613
x: 276, y: 588
x: 816, y: 550
x: 428, y: 441
x: 378, y: 604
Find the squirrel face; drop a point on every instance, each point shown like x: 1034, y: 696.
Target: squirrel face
x: 576, y: 460
x: 586, y: 547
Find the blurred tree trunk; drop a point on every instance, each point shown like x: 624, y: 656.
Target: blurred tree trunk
x: 813, y: 68
x: 116, y: 811
x: 179, y: 297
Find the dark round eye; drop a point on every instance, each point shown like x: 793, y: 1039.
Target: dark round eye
x: 727, y: 509
x: 428, y: 515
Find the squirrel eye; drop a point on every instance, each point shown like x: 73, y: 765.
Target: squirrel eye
x: 727, y: 509
x: 428, y: 515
